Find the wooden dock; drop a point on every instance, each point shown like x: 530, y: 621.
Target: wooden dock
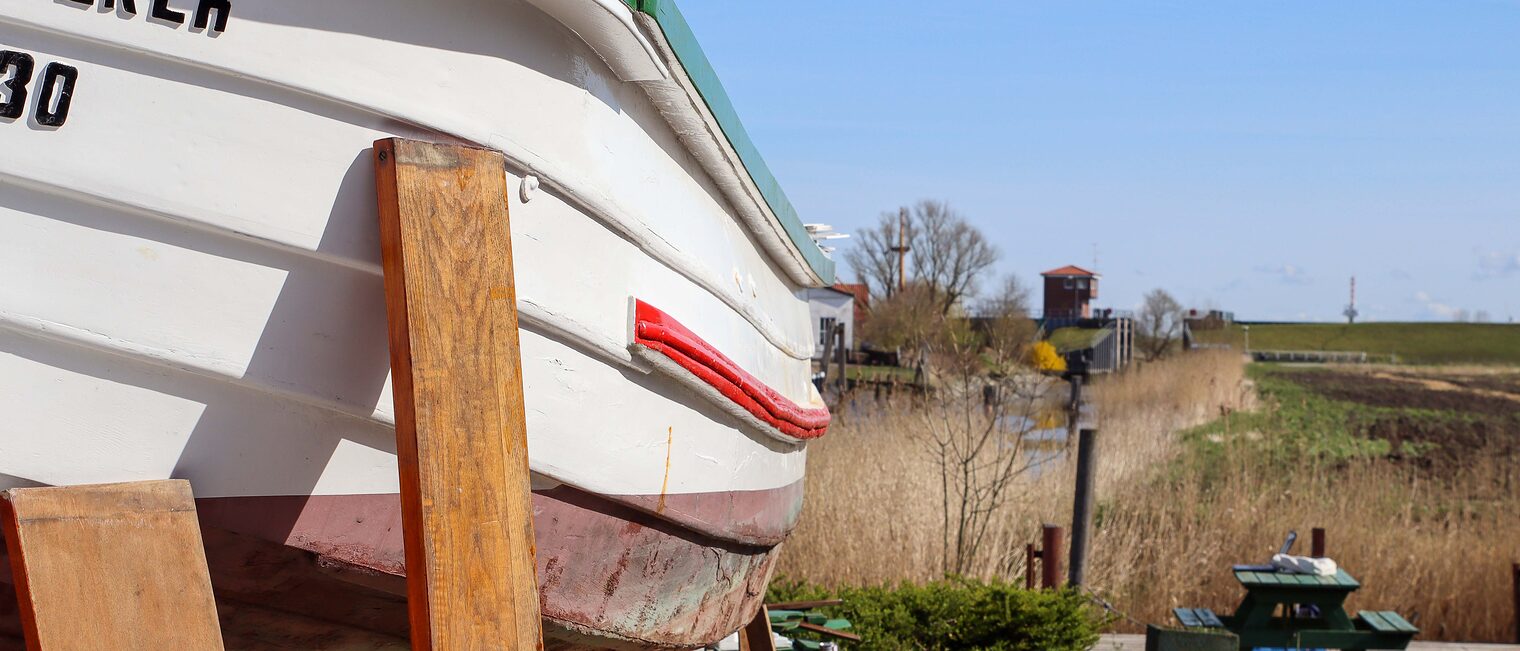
x: 1137, y: 643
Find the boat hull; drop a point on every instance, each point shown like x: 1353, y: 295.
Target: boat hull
x: 610, y: 576
x: 194, y: 291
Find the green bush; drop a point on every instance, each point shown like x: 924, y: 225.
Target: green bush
x: 957, y: 613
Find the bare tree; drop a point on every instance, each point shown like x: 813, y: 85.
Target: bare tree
x: 1005, y: 318
x: 974, y: 426
x: 948, y: 252
x: 874, y: 255
x: 1159, y: 323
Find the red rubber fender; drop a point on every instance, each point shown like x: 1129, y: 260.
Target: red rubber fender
x: 660, y: 332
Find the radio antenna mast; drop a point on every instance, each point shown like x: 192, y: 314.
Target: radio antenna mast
x: 1351, y: 312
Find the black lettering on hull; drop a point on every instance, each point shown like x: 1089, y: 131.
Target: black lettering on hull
x: 14, y: 85
x: 54, y: 94
x: 160, y: 10
x: 203, y: 14
x: 54, y: 89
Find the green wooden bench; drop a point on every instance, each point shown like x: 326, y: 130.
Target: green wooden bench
x: 1390, y: 628
x: 1197, y: 618
x: 1385, y: 621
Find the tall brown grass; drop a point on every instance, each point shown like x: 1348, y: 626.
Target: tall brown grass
x: 1434, y: 547
x: 873, y: 511
x: 1437, y: 549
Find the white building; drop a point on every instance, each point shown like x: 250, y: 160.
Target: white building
x: 828, y: 307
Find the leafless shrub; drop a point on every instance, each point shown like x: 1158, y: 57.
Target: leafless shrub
x: 1159, y: 323
x: 973, y: 426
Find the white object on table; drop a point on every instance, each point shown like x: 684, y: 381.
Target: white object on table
x: 1304, y: 565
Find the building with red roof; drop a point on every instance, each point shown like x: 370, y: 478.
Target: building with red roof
x: 1069, y: 292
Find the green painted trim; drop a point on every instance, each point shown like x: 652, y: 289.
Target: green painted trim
x: 684, y: 43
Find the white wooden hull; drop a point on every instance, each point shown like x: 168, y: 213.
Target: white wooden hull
x: 192, y: 282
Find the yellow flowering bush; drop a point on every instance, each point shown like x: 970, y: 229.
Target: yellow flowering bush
x: 1043, y: 357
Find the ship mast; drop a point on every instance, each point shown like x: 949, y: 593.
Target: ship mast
x: 902, y: 248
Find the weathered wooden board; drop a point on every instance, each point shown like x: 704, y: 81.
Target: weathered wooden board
x: 756, y: 635
x: 110, y: 566
x: 456, y: 374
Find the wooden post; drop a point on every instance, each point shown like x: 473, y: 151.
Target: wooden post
x: 843, y: 352
x: 1030, y: 553
x: 1082, y: 508
x: 1050, y: 556
x: 756, y: 635
x: 1073, y: 409
x: 110, y: 566
x: 1317, y: 542
x: 461, y: 440
x: 1514, y: 570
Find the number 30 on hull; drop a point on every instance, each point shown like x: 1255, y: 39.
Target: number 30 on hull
x: 54, y: 89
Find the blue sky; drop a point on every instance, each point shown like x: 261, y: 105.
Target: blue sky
x: 1247, y: 156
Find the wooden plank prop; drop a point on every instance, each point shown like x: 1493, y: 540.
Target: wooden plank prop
x: 461, y: 441
x: 110, y: 566
x: 756, y: 635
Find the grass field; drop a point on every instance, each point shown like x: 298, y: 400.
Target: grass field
x: 1410, y: 343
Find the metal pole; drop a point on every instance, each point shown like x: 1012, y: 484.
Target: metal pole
x: 1317, y: 542
x: 1081, y: 512
x: 1050, y: 556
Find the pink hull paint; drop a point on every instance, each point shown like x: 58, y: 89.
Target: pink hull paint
x: 609, y: 574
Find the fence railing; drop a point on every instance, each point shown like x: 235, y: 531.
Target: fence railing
x: 1311, y: 356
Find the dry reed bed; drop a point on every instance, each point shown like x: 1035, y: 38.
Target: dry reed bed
x: 1436, y: 547
x: 1438, y: 550
x: 873, y: 511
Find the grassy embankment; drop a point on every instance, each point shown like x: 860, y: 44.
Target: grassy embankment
x: 1412, y: 473
x: 1410, y: 343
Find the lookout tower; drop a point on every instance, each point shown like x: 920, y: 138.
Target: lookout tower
x: 1069, y: 292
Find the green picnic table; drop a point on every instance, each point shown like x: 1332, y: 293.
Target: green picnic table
x: 1314, y: 615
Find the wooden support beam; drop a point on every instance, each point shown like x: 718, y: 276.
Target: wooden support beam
x: 110, y: 566
x: 824, y: 630
x: 756, y: 635
x: 461, y: 441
